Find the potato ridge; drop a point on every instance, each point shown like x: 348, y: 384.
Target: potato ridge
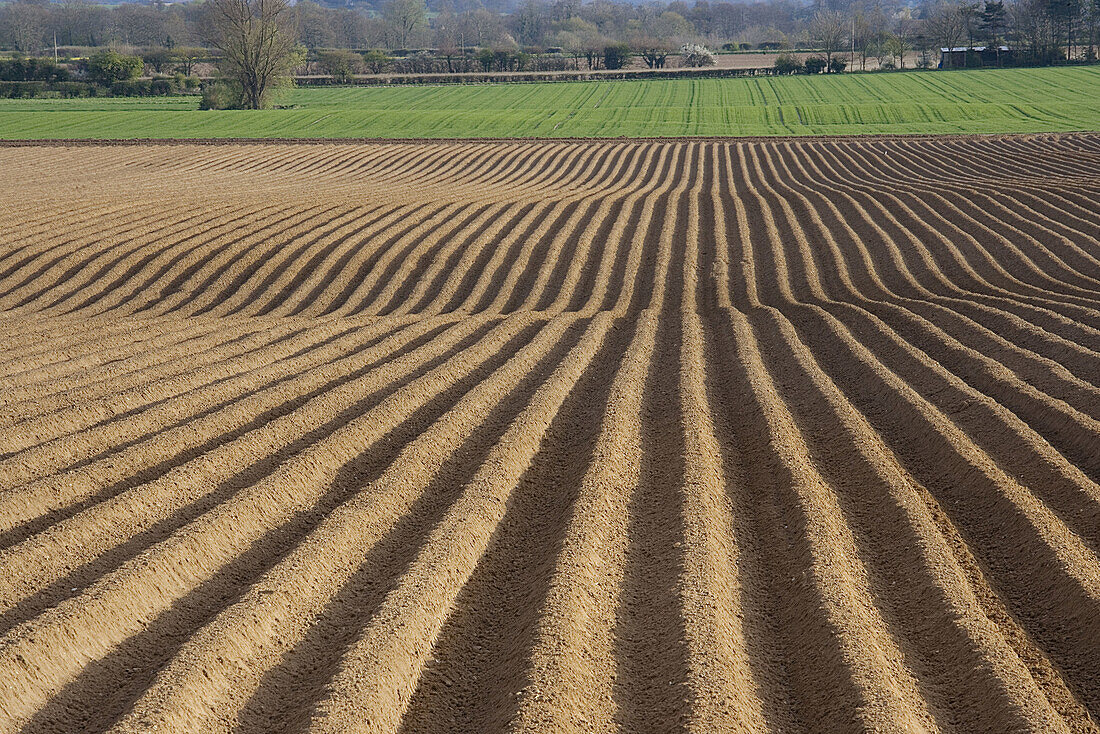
x: 579, y: 436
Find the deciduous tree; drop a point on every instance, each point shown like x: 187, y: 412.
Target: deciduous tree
x: 404, y: 20
x: 187, y: 56
x: 256, y: 39
x: 828, y: 32
x: 947, y: 25
x: 340, y: 64
x: 898, y: 46
x: 694, y: 55
x: 108, y: 67
x: 653, y: 51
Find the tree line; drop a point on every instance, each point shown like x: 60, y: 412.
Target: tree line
x: 1040, y: 31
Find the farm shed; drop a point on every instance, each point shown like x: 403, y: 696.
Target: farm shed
x: 966, y: 56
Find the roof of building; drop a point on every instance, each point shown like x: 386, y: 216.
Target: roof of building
x: 944, y: 49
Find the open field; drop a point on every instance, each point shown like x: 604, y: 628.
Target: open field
x: 990, y: 101
x: 551, y: 437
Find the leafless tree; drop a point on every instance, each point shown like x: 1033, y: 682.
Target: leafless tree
x: 970, y: 13
x: 898, y: 46
x: 479, y: 27
x: 947, y: 24
x: 186, y: 57
x: 314, y: 25
x: 23, y: 25
x: 870, y: 31
x: 828, y: 31
x: 256, y: 39
x: 404, y: 20
x: 1092, y: 24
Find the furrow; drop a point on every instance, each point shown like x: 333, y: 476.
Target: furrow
x: 40, y: 656
x: 318, y: 567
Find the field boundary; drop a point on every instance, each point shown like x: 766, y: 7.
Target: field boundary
x: 93, y: 142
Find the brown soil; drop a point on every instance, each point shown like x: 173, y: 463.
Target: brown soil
x: 745, y: 436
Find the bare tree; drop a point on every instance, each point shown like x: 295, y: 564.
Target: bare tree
x: 1092, y: 23
x: 404, y: 20
x: 478, y: 28
x: 655, y: 38
x: 314, y: 25
x: 869, y: 29
x: 24, y: 25
x: 947, y: 24
x: 827, y: 29
x: 898, y: 46
x: 863, y: 39
x: 186, y: 57
x: 256, y: 39
x: 970, y: 14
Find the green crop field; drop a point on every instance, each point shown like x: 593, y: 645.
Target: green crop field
x: 976, y: 101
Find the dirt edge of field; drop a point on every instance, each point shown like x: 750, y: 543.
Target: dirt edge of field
x: 67, y: 142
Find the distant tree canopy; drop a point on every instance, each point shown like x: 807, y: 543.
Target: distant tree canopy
x: 405, y: 19
x: 1036, y: 31
x: 341, y: 64
x: 108, y: 67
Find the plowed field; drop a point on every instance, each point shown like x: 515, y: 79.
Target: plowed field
x: 551, y: 437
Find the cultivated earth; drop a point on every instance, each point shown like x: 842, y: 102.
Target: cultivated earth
x: 551, y: 437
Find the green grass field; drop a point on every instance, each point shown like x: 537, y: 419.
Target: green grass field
x: 986, y: 101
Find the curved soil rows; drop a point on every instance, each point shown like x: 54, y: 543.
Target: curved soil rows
x: 572, y: 436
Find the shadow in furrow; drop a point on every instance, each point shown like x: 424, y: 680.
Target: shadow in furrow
x: 414, y: 257
x: 470, y: 279
x: 469, y: 240
x: 903, y: 592
x: 756, y: 546
x: 246, y: 259
x: 820, y: 690
x: 58, y: 261
x: 86, y: 575
x: 535, y: 259
x: 207, y: 252
x: 294, y: 260
x: 135, y: 411
x: 106, y: 688
x: 1018, y: 557
x: 650, y: 649
x: 338, y: 301
x: 307, y: 268
x: 651, y: 654
x: 152, y: 473
x: 586, y: 282
x: 480, y: 663
x: 288, y: 693
x: 617, y: 276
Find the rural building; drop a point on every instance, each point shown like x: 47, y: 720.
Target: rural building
x: 966, y: 56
